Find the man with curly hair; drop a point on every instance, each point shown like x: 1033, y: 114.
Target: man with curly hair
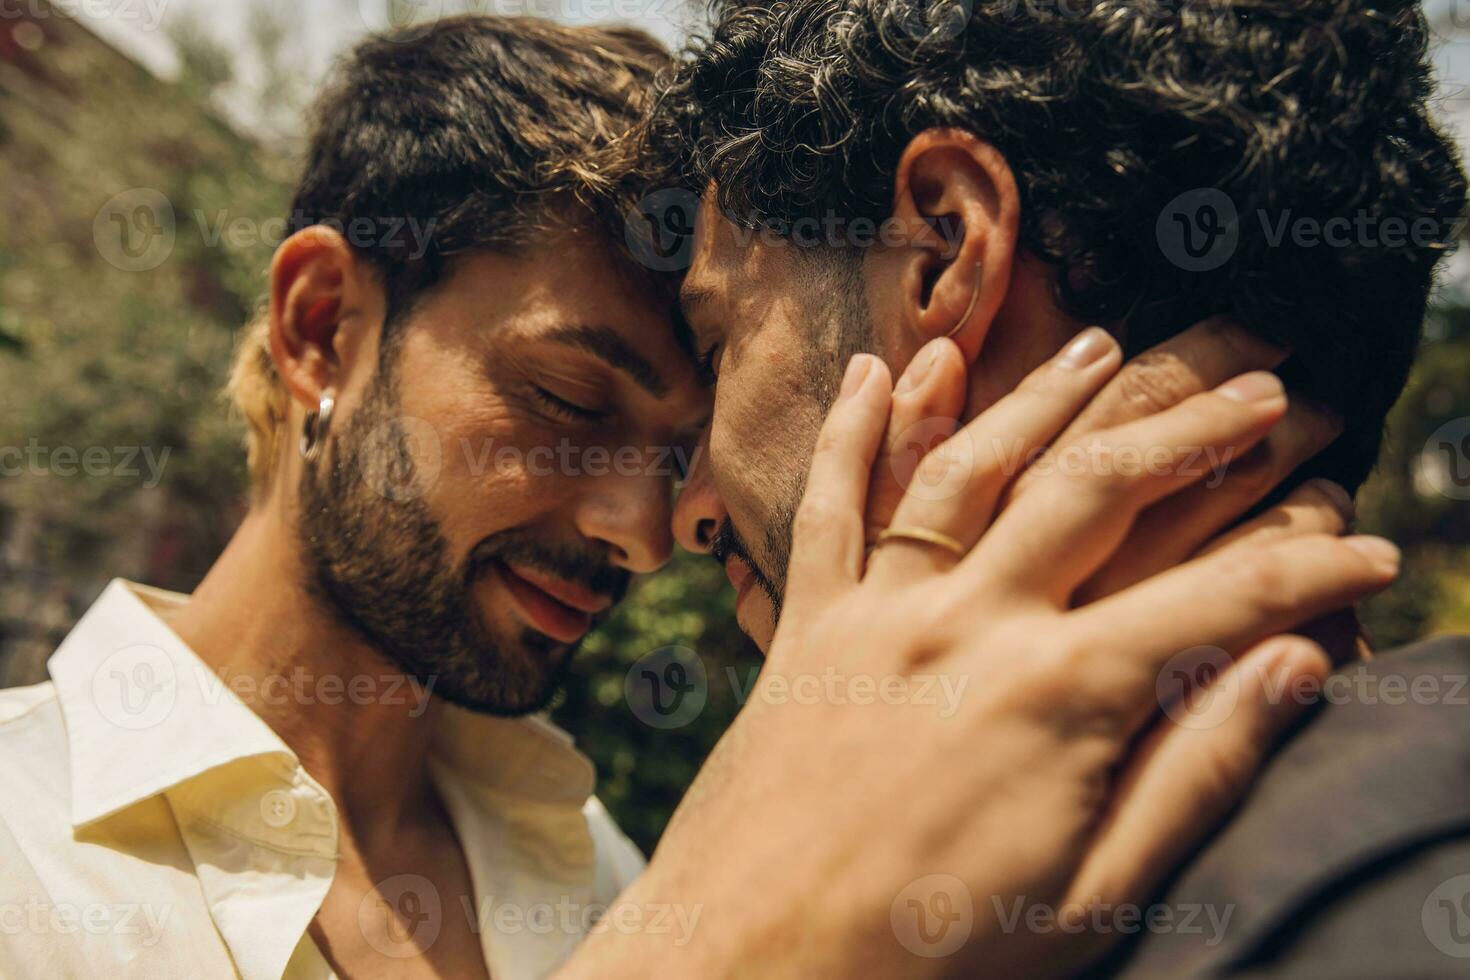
x: 463, y: 397
x: 971, y: 186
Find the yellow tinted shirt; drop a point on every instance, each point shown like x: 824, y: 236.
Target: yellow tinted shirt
x: 153, y: 826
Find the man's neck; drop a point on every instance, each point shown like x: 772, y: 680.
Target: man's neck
x: 360, y: 727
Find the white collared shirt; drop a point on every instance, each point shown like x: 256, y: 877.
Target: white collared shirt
x: 153, y: 826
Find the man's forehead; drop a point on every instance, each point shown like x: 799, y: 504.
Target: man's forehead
x: 725, y: 258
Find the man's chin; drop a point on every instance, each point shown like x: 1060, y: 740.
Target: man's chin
x: 508, y: 669
x: 756, y: 616
x: 523, y: 677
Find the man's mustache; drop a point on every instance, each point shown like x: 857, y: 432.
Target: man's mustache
x: 728, y: 544
x: 587, y: 567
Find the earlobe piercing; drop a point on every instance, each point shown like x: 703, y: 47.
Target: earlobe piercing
x: 314, y: 430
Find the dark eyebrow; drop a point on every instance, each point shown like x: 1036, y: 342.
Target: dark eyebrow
x: 609, y: 345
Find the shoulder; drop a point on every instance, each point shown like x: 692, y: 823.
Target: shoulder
x: 1354, y: 843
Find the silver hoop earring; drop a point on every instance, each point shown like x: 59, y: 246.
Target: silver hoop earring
x: 314, y: 432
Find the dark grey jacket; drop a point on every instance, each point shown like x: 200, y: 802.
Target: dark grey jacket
x: 1351, y: 856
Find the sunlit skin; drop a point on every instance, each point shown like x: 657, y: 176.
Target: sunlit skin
x: 755, y: 305
x: 496, y: 361
x: 516, y: 403
x: 764, y: 317
x: 506, y: 375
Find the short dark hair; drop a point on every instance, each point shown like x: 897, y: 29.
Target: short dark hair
x: 480, y: 125
x: 1109, y: 112
x: 473, y: 134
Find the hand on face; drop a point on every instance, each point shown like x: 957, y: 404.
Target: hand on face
x: 1039, y: 783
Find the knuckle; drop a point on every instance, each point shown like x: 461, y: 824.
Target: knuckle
x: 1154, y: 382
x: 933, y: 634
x: 1325, y: 510
x: 1075, y: 664
x: 1040, y: 383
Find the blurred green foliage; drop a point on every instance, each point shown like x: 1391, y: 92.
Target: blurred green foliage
x: 100, y: 356
x: 1405, y: 500
x: 93, y: 355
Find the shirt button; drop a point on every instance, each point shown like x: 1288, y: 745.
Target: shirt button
x: 277, y: 808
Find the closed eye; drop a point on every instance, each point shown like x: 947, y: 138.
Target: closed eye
x: 707, y: 365
x: 566, y: 409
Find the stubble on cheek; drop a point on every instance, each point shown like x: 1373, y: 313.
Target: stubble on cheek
x: 769, y: 445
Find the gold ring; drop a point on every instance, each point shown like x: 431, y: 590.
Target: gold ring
x: 924, y: 536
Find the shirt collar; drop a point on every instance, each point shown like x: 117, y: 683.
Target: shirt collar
x: 144, y: 714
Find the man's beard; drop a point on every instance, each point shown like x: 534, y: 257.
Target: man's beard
x: 842, y: 327
x: 381, y: 568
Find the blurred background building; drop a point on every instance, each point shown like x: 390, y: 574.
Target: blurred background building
x: 148, y: 149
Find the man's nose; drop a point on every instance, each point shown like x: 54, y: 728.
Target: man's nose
x: 699, y: 511
x: 630, y: 513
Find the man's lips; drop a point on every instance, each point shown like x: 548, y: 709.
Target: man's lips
x: 567, y: 593
x: 562, y: 610
x: 740, y: 577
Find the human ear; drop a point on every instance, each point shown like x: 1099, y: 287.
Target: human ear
x: 319, y: 293
x: 957, y: 202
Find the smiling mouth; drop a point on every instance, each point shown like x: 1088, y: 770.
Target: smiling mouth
x: 560, y: 609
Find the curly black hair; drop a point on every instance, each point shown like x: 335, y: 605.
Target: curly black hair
x: 1131, y: 126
